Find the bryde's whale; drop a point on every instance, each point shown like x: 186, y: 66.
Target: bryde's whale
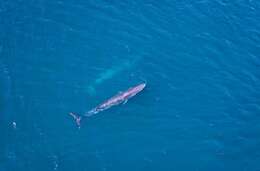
x: 121, y: 97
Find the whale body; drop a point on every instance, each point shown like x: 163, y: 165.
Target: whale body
x: 121, y: 97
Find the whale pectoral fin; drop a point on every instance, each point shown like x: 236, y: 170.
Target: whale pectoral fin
x: 125, y: 102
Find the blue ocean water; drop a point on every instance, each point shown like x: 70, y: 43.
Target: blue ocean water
x: 200, y: 110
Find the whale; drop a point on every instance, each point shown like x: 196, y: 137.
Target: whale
x: 119, y: 98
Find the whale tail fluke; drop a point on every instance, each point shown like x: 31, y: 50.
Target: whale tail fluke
x: 76, y: 118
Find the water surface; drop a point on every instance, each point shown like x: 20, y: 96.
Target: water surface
x: 200, y: 110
